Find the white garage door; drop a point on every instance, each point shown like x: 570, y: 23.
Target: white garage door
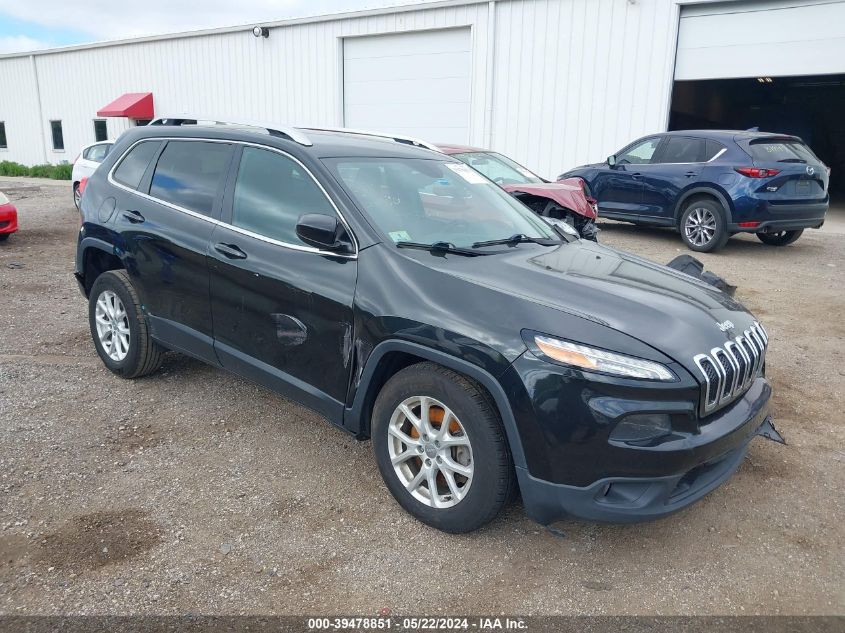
x: 417, y: 84
x: 761, y: 39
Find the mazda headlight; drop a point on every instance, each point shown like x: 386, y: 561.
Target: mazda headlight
x: 593, y: 359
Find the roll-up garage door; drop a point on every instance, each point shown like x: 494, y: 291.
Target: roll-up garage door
x: 755, y: 38
x: 417, y: 84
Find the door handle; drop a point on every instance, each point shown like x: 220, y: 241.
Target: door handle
x: 636, y: 175
x: 230, y: 251
x: 133, y: 216
x: 691, y: 174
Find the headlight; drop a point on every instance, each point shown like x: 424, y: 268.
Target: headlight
x: 593, y: 359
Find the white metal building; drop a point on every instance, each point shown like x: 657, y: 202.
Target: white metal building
x: 553, y: 83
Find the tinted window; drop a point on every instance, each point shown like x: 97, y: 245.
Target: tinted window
x: 3, y: 143
x: 271, y: 192
x: 134, y: 164
x: 640, y: 153
x: 682, y: 149
x: 100, y: 131
x: 781, y: 151
x: 189, y: 173
x: 58, y: 136
x: 97, y: 153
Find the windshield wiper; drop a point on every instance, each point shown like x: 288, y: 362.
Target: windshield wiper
x: 518, y: 238
x: 440, y: 247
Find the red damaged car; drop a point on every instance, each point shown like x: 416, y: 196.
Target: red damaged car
x: 565, y: 200
x: 8, y: 218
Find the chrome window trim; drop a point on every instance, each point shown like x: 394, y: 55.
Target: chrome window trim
x: 704, y: 162
x: 237, y: 229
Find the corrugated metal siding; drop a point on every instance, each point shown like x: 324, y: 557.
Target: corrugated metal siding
x: 19, y: 111
x: 577, y: 79
x: 573, y: 79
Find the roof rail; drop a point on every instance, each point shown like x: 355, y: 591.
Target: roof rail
x: 407, y: 140
x: 285, y: 131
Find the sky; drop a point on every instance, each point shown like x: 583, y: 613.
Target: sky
x: 27, y: 25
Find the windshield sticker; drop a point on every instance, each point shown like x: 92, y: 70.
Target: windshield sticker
x: 468, y: 173
x: 400, y: 236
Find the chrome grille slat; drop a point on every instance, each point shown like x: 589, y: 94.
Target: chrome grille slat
x: 728, y: 371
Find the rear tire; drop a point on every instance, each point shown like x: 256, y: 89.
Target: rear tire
x: 703, y: 226
x: 781, y: 238
x: 119, y: 329
x: 453, y: 423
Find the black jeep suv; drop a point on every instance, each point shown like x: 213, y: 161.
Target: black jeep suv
x: 408, y: 300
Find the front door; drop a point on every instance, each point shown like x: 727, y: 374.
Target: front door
x: 619, y: 189
x: 282, y: 310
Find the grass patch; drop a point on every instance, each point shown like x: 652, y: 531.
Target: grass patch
x: 56, y: 172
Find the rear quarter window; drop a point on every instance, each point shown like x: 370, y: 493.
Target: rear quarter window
x: 189, y: 174
x: 131, y: 169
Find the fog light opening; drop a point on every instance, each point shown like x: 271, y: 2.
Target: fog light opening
x: 642, y: 427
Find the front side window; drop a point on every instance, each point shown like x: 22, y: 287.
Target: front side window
x: 100, y: 131
x: 639, y: 154
x: 683, y: 149
x: 3, y: 143
x: 133, y: 166
x: 500, y: 169
x: 272, y: 192
x: 190, y: 173
x: 58, y: 135
x: 423, y: 200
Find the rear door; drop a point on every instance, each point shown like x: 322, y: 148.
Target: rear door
x: 282, y: 310
x: 677, y: 166
x: 802, y: 176
x: 166, y: 227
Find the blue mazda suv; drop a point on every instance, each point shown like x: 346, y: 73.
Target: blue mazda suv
x: 711, y: 184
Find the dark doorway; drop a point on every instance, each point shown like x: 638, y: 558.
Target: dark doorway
x: 812, y: 107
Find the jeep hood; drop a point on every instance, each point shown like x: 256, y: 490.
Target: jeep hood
x: 674, y: 313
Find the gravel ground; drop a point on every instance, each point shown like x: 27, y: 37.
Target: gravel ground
x: 193, y: 491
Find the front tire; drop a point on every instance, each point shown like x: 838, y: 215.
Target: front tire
x: 77, y: 197
x: 703, y: 226
x: 4, y: 236
x: 119, y: 328
x: 780, y: 238
x: 441, y: 449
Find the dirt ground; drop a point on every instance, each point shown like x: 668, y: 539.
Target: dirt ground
x: 193, y: 491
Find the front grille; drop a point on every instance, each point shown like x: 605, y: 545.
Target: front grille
x: 728, y: 371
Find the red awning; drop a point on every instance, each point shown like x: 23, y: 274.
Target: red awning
x: 135, y: 105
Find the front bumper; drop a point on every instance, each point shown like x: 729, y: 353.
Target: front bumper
x: 574, y: 467
x: 8, y: 219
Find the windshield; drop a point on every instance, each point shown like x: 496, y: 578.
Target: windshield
x: 427, y: 201
x: 500, y: 169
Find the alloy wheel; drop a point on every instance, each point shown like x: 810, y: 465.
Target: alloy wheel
x: 700, y: 226
x: 112, y: 323
x: 430, y: 452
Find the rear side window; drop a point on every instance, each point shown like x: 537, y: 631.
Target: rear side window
x: 189, y: 174
x: 684, y: 149
x: 781, y: 151
x: 271, y: 192
x: 134, y: 164
x: 713, y: 149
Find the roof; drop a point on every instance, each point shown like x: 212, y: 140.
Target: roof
x: 459, y: 149
x: 324, y: 144
x: 724, y: 134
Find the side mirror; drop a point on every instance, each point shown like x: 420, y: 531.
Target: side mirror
x: 322, y: 231
x: 611, y: 160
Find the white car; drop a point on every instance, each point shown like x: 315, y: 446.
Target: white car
x: 86, y: 163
